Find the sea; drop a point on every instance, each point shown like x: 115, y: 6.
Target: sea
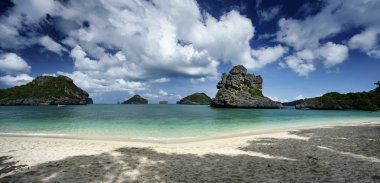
x: 165, y: 122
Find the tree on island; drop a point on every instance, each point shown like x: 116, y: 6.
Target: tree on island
x: 368, y: 101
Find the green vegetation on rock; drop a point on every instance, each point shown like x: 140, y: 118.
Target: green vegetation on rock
x: 45, y: 89
x: 369, y: 101
x: 253, y: 92
x: 51, y: 87
x: 196, y: 99
x: 136, y: 99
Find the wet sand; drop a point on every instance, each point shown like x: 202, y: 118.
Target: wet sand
x: 344, y: 153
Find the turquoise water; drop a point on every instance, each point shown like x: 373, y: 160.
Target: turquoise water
x: 161, y: 121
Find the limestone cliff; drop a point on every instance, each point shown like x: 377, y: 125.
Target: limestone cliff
x: 239, y: 89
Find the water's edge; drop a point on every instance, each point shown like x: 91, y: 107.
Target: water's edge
x: 191, y: 139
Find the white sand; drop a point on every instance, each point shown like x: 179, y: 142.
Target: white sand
x: 36, y: 150
x: 32, y: 151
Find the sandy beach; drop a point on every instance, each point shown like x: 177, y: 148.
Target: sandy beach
x: 339, y: 153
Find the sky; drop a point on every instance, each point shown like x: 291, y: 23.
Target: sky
x: 166, y: 50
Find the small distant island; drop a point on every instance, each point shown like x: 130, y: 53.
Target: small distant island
x: 238, y: 89
x: 163, y: 102
x: 195, y: 99
x: 45, y: 90
x: 136, y: 99
x: 369, y: 101
x: 293, y: 103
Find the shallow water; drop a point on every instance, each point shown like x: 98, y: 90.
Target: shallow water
x: 160, y: 122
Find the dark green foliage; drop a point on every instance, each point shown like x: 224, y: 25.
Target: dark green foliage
x: 253, y: 92
x: 361, y: 100
x: 136, y: 99
x: 46, y: 87
x: 197, y: 99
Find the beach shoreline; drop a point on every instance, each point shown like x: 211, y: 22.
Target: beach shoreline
x: 28, y: 153
x: 177, y: 140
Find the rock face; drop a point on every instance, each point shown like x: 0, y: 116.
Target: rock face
x: 239, y: 89
x: 45, y: 90
x: 196, y: 99
x: 136, y: 99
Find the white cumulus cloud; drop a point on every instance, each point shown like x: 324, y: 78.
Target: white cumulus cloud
x: 313, y: 32
x: 299, y: 97
x: 19, y: 79
x: 301, y: 66
x: 51, y: 45
x: 333, y: 54
x: 267, y: 55
x: 138, y: 41
x: 162, y: 92
x: 366, y: 41
x: 12, y: 63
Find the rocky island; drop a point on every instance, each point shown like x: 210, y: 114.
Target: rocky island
x: 163, y: 102
x: 241, y: 90
x: 196, y: 99
x: 368, y: 101
x: 45, y: 90
x: 136, y: 99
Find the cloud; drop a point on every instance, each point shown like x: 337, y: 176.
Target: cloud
x: 15, y: 69
x: 301, y: 66
x: 132, y: 44
x: 299, y: 97
x: 11, y: 63
x: 374, y: 52
x: 366, y: 41
x: 51, y: 45
x: 266, y: 36
x: 24, y: 14
x: 92, y: 83
x: 277, y: 99
x: 15, y: 80
x: 82, y: 62
x: 333, y: 19
x: 267, y: 55
x: 266, y: 15
x: 197, y: 80
x: 137, y: 41
x: 313, y: 34
x: 269, y: 14
x: 161, y: 95
x: 333, y: 54
x: 303, y: 62
x: 160, y: 80
x: 162, y: 92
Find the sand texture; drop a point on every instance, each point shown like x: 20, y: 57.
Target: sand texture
x: 348, y: 153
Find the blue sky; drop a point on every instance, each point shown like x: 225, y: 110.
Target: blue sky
x: 165, y: 50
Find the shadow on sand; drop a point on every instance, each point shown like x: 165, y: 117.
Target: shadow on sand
x: 339, y: 154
